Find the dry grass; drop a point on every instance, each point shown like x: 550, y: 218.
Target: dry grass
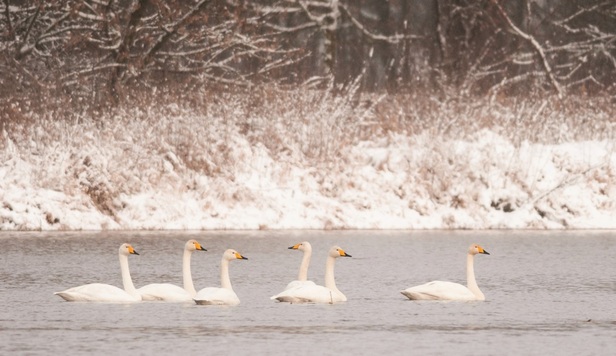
x: 305, y: 125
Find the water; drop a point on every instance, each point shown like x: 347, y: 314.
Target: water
x: 547, y: 293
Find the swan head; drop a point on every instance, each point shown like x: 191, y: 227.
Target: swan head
x: 302, y: 246
x: 193, y: 245
x: 231, y: 254
x: 475, y: 249
x: 337, y: 251
x: 127, y: 249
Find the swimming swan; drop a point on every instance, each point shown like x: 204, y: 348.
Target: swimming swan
x: 224, y: 295
x: 439, y: 290
x: 302, y: 277
x: 98, y: 292
x: 314, y: 293
x: 169, y: 292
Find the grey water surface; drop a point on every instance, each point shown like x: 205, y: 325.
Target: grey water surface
x: 547, y: 293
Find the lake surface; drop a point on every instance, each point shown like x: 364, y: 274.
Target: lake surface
x: 547, y: 293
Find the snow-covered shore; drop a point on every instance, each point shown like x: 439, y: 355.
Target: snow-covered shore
x: 85, y: 177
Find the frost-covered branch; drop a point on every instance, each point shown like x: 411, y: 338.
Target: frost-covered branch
x: 171, y: 29
x: 535, y: 44
x: 7, y: 16
x: 395, y: 39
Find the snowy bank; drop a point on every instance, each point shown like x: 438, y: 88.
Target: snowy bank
x: 182, y: 175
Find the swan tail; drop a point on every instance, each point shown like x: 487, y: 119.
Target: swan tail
x: 214, y: 302
x: 412, y: 295
x: 64, y: 296
x: 291, y: 299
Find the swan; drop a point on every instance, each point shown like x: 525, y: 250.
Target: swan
x: 224, y: 295
x: 307, y: 293
x: 439, y: 290
x: 302, y: 277
x: 98, y: 292
x: 169, y: 292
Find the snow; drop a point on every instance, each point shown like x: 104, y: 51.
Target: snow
x: 126, y: 175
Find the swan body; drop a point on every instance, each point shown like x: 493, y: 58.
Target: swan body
x: 170, y: 292
x: 225, y: 294
x: 99, y: 292
x: 302, y: 277
x: 440, y: 290
x: 312, y: 293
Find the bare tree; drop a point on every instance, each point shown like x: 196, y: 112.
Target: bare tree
x: 98, y: 47
x: 339, y: 41
x: 101, y: 50
x: 556, y: 46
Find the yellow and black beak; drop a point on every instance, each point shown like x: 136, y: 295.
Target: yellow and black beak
x: 481, y: 250
x: 294, y: 247
x: 132, y: 251
x: 344, y: 254
x: 198, y: 247
x: 239, y: 256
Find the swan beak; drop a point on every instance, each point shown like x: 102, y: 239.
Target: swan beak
x: 481, y: 250
x: 294, y: 247
x: 132, y: 251
x: 198, y: 247
x: 344, y: 254
x: 240, y: 257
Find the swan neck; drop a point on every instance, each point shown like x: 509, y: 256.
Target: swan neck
x: 330, y: 281
x: 186, y: 273
x: 470, y: 277
x: 225, y: 281
x: 127, y: 281
x: 303, y: 268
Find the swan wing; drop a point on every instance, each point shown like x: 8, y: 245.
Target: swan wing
x: 310, y: 293
x: 439, y: 290
x: 97, y: 292
x: 216, y: 296
x: 295, y: 284
x: 166, y: 292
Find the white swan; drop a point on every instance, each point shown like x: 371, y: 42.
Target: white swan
x: 169, y: 292
x: 224, y: 295
x: 314, y: 293
x: 302, y: 277
x: 98, y: 292
x: 439, y: 290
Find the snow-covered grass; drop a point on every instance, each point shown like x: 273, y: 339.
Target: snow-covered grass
x: 309, y: 159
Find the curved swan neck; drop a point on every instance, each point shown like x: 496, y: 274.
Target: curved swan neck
x: 127, y: 281
x: 186, y: 273
x: 303, y: 268
x: 225, y: 281
x: 470, y: 277
x: 330, y: 281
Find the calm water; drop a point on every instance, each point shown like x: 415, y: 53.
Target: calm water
x: 548, y: 293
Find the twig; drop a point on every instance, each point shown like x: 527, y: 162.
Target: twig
x: 538, y: 48
x: 7, y: 14
x: 566, y: 183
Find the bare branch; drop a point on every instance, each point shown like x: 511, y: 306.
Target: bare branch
x: 7, y: 14
x: 538, y: 48
x: 390, y: 39
x: 25, y: 49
